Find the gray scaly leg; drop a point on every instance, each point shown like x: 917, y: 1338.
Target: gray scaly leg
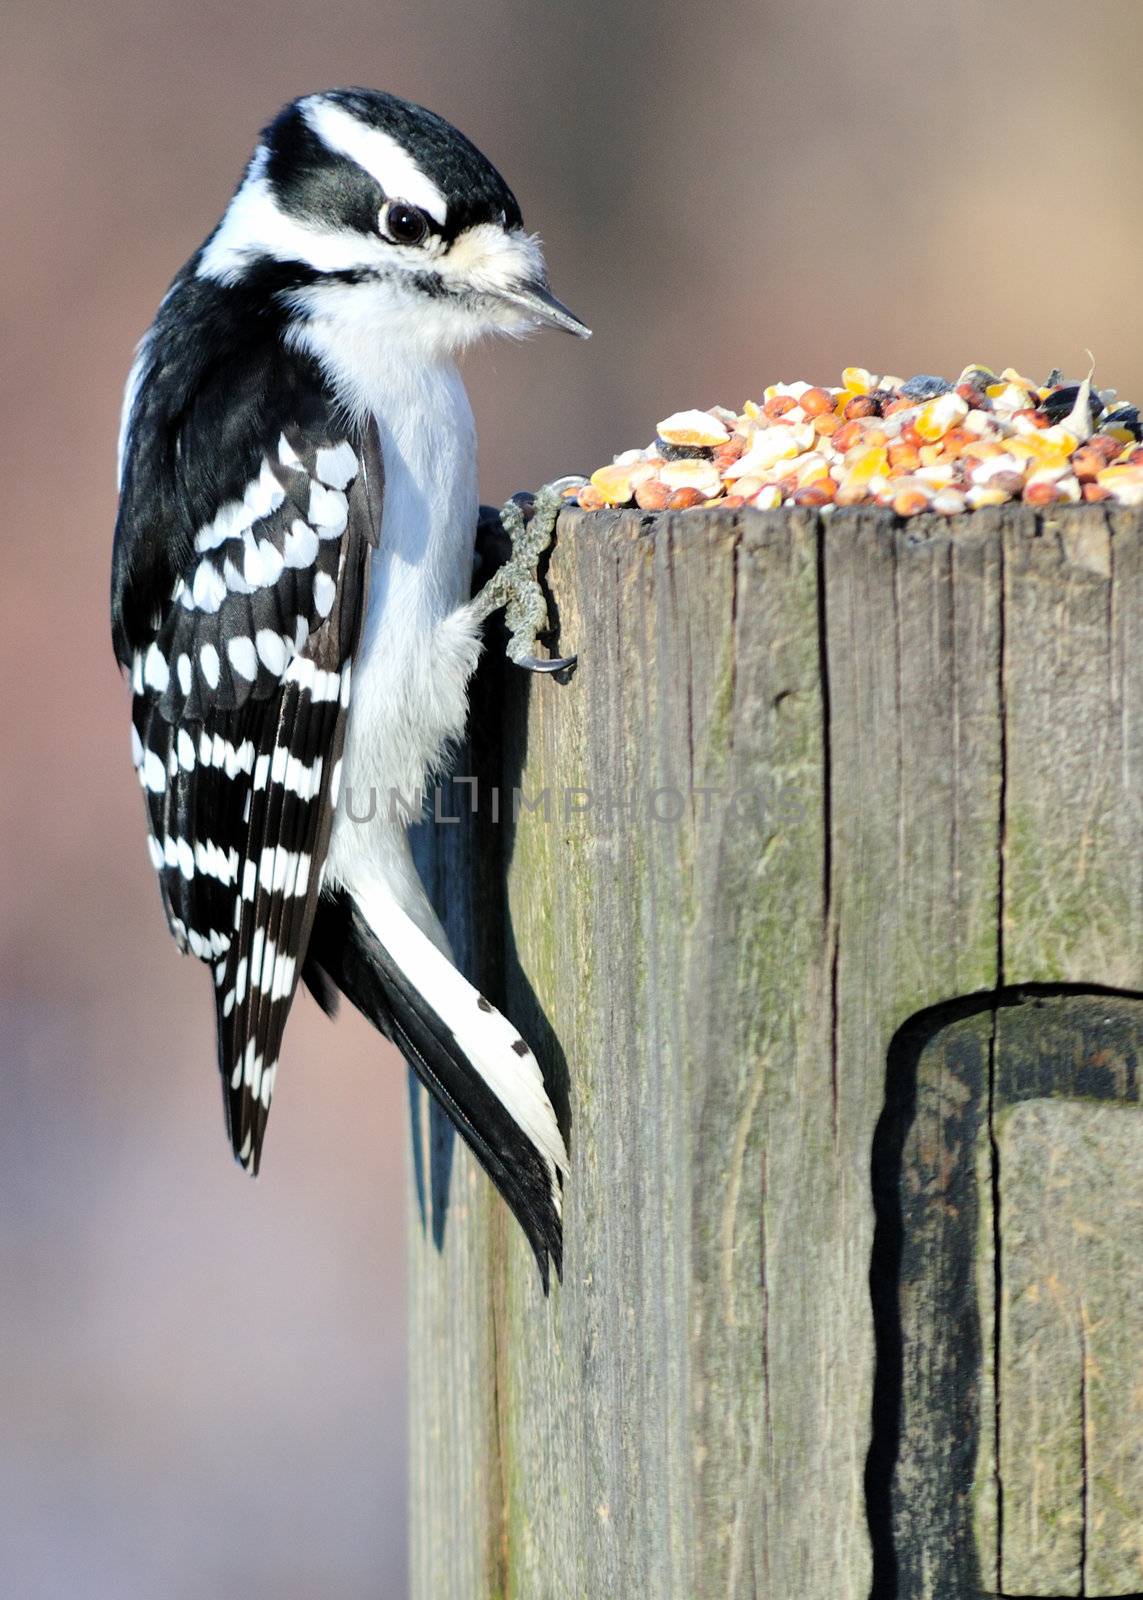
x: 516, y: 585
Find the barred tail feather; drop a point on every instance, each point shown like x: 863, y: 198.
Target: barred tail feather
x: 463, y: 1050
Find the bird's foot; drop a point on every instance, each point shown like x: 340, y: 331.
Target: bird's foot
x: 530, y: 522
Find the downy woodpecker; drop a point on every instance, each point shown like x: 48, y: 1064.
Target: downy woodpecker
x: 291, y: 599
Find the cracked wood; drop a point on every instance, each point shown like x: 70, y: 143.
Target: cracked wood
x: 809, y: 779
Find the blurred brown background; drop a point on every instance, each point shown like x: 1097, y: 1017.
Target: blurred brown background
x: 202, y: 1380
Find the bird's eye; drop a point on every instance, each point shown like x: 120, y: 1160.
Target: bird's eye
x: 403, y: 223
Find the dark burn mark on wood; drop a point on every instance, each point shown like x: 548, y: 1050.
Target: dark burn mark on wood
x: 952, y: 1071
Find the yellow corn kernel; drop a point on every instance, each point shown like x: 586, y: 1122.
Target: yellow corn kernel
x: 690, y: 474
x: 869, y: 464
x: 693, y: 428
x: 810, y: 468
x: 981, y: 495
x: 858, y: 381
x: 613, y: 484
x: 936, y: 417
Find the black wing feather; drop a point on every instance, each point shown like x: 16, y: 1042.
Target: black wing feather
x: 241, y: 691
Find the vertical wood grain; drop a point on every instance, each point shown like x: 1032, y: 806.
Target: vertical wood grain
x: 808, y: 780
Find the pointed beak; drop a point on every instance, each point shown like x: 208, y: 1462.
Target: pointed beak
x: 538, y: 301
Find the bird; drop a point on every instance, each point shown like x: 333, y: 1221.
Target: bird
x: 291, y: 601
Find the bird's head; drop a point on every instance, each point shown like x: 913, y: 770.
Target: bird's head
x: 364, y: 208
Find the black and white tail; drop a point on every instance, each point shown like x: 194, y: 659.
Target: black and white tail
x: 464, y: 1051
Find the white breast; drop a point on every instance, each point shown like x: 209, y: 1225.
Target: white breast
x: 419, y: 645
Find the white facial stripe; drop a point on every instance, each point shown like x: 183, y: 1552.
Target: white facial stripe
x: 255, y: 226
x: 378, y: 153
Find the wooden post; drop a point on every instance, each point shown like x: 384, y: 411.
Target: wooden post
x: 818, y: 875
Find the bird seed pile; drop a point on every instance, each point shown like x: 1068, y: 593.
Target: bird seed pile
x: 921, y: 444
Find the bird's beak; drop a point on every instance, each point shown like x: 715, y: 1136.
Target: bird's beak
x: 538, y: 301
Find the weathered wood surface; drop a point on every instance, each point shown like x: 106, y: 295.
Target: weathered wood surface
x: 1011, y: 1122
x: 808, y: 780
x: 1071, y: 1436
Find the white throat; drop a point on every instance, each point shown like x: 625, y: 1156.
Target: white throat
x: 386, y: 368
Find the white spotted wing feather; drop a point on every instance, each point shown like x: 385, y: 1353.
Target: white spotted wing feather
x: 239, y: 711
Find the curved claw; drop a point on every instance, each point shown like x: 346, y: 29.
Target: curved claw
x: 551, y: 664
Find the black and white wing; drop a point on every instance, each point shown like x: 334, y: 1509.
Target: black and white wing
x: 241, y: 690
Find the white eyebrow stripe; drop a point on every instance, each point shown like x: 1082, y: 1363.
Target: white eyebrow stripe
x: 378, y: 153
x: 255, y: 226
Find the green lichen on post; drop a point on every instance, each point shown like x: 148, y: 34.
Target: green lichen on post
x: 1066, y: 902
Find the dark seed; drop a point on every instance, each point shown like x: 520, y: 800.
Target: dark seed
x: 1061, y: 402
x: 1125, y: 417
x: 520, y: 1047
x: 925, y: 387
x: 683, y: 452
x: 483, y: 1003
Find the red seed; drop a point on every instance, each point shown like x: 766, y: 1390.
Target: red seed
x: 816, y: 402
x: 684, y: 499
x: 1011, y: 482
x: 652, y: 495
x: 590, y: 498
x: 733, y: 501
x: 1041, y: 494
x: 862, y: 405
x: 955, y: 440
x: 812, y: 495
x: 909, y: 502
x: 725, y: 455
x: 976, y: 398
x: 904, y: 457
x: 1096, y: 491
x: 849, y: 434
x: 1087, y: 463
x: 778, y: 405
